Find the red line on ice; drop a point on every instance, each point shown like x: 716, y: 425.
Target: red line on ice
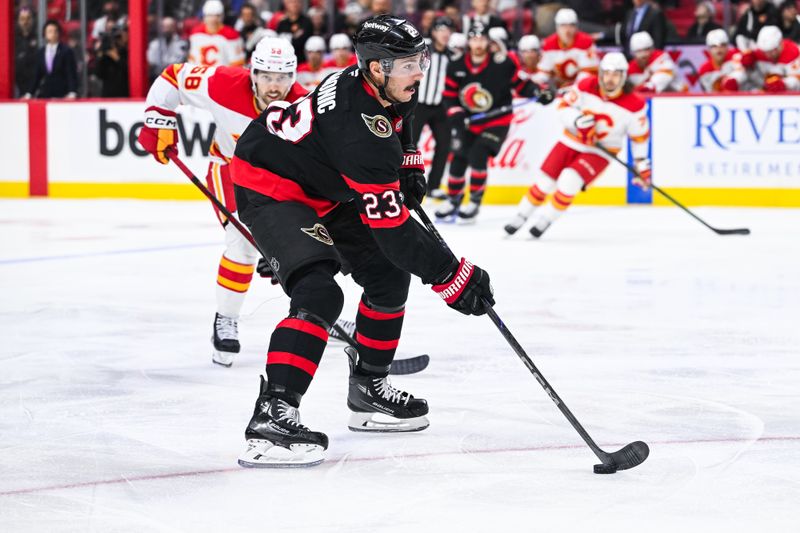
x: 155, y: 477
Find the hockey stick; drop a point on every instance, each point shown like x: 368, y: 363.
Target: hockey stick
x: 409, y: 365
x: 662, y: 192
x: 629, y: 456
x: 501, y: 110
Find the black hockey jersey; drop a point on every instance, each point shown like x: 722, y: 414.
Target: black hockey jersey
x: 339, y: 144
x: 483, y: 87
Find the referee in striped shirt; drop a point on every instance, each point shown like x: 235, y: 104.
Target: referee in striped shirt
x: 430, y: 109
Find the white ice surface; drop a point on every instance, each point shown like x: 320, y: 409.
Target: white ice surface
x: 112, y: 417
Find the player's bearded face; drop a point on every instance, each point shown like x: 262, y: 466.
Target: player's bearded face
x: 718, y: 52
x: 566, y: 32
x: 612, y: 80
x: 403, y: 79
x: 272, y: 86
x: 642, y: 56
x: 478, y: 45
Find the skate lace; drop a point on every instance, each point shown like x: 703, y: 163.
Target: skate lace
x: 289, y: 415
x: 227, y: 328
x: 389, y: 393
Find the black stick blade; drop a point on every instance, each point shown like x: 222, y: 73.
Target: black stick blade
x: 410, y: 365
x: 737, y: 231
x: 631, y: 455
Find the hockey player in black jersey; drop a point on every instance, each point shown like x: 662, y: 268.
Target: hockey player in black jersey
x: 333, y: 199
x: 479, y: 82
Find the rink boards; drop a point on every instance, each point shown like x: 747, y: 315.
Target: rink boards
x: 708, y: 150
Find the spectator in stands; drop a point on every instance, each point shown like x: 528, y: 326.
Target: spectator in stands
x: 426, y: 20
x: 790, y: 21
x: 453, y: 12
x: 168, y: 49
x: 318, y: 20
x: 212, y: 43
x: 651, y: 70
x: 26, y: 44
x: 481, y: 12
x: 530, y: 52
x: 724, y: 70
x: 377, y: 7
x: 111, y: 17
x: 777, y: 61
x: 251, y: 28
x: 111, y: 66
x: 703, y: 22
x: 644, y: 16
x: 310, y: 73
x: 352, y: 17
x: 55, y: 72
x: 297, y: 26
x: 760, y: 13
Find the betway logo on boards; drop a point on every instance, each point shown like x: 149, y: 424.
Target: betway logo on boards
x: 116, y: 137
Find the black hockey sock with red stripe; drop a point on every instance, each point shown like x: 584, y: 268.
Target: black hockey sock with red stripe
x: 477, y: 184
x: 295, y: 350
x: 377, y: 335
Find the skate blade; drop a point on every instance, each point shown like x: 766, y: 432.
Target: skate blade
x: 265, y: 454
x: 222, y: 358
x: 449, y: 219
x: 467, y: 221
x: 381, y: 423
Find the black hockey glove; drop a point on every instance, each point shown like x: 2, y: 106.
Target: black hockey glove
x: 412, y: 178
x: 543, y: 95
x: 465, y: 289
x: 265, y: 271
x: 457, y: 120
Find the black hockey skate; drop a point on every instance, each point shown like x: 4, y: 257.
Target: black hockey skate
x: 225, y: 339
x: 539, y: 228
x: 448, y: 211
x: 379, y: 407
x: 348, y: 327
x: 468, y: 212
x: 512, y: 227
x: 276, y: 438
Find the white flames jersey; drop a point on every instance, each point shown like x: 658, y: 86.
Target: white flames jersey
x: 563, y: 65
x: 787, y: 66
x: 615, y: 119
x: 711, y: 74
x: 310, y: 78
x: 659, y: 74
x: 226, y: 92
x: 212, y: 49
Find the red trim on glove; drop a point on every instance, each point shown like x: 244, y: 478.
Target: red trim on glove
x: 450, y: 291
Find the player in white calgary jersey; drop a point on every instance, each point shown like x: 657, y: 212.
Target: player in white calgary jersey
x: 342, y: 55
x: 234, y: 96
x: 568, y: 55
x: 213, y: 43
x: 724, y: 70
x: 651, y: 70
x: 777, y: 62
x: 530, y: 53
x: 310, y: 74
x: 597, y: 109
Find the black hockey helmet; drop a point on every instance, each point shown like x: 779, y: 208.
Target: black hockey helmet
x: 443, y: 21
x: 385, y: 38
x: 477, y: 29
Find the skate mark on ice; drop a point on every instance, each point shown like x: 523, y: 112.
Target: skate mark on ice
x: 334, y: 461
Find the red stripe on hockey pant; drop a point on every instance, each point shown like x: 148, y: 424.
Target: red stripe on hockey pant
x: 290, y: 359
x: 378, y: 315
x: 376, y: 344
x: 304, y: 326
x: 235, y: 276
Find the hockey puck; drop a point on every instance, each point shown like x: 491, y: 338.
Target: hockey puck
x: 605, y: 469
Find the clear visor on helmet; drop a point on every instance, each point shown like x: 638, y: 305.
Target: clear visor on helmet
x: 407, y: 66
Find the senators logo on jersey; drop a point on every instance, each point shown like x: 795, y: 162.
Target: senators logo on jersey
x: 378, y: 125
x: 475, y: 98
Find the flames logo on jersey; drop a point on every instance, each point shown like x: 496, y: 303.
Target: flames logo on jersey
x: 378, y: 125
x: 567, y: 71
x: 475, y: 98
